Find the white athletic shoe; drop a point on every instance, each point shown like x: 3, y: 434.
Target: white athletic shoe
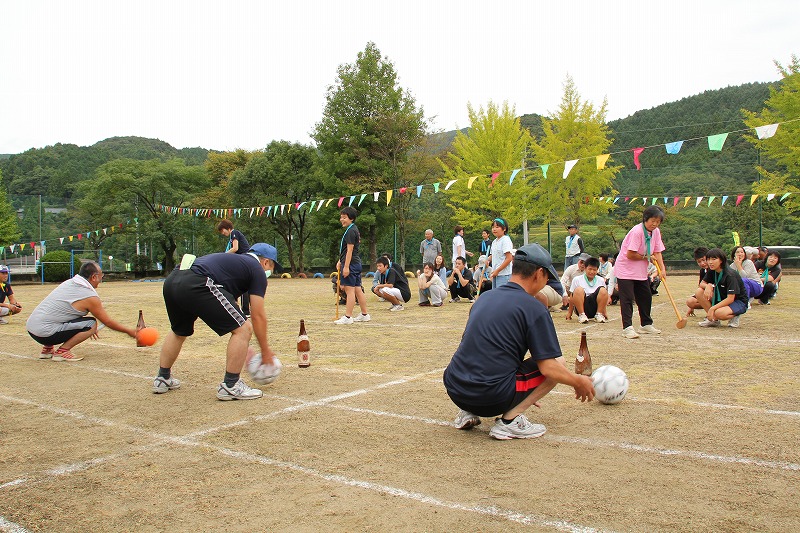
x: 734, y: 322
x: 344, y: 320
x: 362, y: 318
x: 706, y: 323
x: 649, y: 328
x: 240, y: 391
x: 582, y: 318
x: 466, y: 420
x: 161, y: 385
x: 600, y: 317
x: 519, y: 428
x: 630, y: 333
x: 397, y: 307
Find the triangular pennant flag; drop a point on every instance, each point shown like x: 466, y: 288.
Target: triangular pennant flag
x: 654, y: 201
x: 644, y: 201
x: 686, y: 201
x: 351, y: 200
x: 710, y: 199
x: 362, y: 198
x: 419, y: 190
x: 301, y: 204
x: 715, y: 142
x: 753, y: 199
x: 389, y: 196
x: 320, y: 204
x: 627, y: 198
x: 765, y: 132
x: 666, y: 200
x: 80, y: 236
x: 12, y: 248
x: 269, y: 211
x: 469, y: 182
x: 616, y: 199
x: 494, y: 178
x: 436, y: 187
x: 568, y: 168
x: 449, y: 184
x: 70, y: 238
x: 544, y: 169
x: 601, y: 161
x: 636, y: 152
x: 675, y: 201
x: 674, y: 148
x: 313, y: 203
x: 724, y: 199
x: 403, y: 190
x: 784, y: 197
x: 282, y: 208
x: 21, y: 247
x: 375, y: 196
x: 699, y: 199
x: 633, y: 199
x: 513, y: 175
x: 61, y: 240
x: 252, y: 210
x: 739, y: 199
x: 341, y: 199
x: 770, y: 197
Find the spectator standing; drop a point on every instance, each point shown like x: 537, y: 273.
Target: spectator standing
x: 459, y: 248
x: 429, y: 247
x: 486, y: 243
x: 574, y: 246
x: 237, y: 244
x: 501, y: 253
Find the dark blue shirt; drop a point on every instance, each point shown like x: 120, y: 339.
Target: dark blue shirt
x: 236, y: 273
x: 237, y: 235
x: 351, y: 236
x: 504, y: 324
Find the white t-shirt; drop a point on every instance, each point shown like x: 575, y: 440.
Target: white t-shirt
x: 500, y: 246
x: 580, y: 281
x: 458, y: 248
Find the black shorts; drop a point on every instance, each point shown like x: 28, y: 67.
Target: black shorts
x: 590, y: 304
x: 527, y: 379
x: 189, y: 296
x: 81, y: 324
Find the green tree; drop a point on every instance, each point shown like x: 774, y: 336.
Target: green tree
x: 578, y: 131
x: 130, y: 191
x: 494, y: 142
x: 284, y: 173
x: 9, y: 232
x: 369, y: 126
x: 782, y: 105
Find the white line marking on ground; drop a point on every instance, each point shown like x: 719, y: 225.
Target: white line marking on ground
x: 11, y: 527
x: 85, y: 367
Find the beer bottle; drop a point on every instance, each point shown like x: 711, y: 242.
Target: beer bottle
x: 303, y: 347
x: 140, y: 326
x: 583, y: 361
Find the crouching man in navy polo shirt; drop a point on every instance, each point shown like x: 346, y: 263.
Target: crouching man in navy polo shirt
x: 208, y: 290
x: 488, y: 375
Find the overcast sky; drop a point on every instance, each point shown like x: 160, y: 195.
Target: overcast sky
x: 239, y: 74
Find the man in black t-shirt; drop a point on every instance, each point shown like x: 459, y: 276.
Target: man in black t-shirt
x: 208, y: 290
x: 392, y: 284
x: 349, y: 268
x: 460, y: 282
x: 489, y: 375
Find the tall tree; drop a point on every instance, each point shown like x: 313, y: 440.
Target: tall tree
x: 369, y: 126
x: 578, y: 131
x: 494, y: 142
x: 284, y: 173
x: 9, y: 232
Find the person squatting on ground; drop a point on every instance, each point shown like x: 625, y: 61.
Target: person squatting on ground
x: 574, y: 246
x: 460, y: 282
x: 208, y: 290
x: 439, y: 267
x: 483, y: 275
x: 392, y: 284
x: 501, y: 253
x: 488, y: 374
x: 725, y: 296
x: 700, y: 259
x: 12, y: 306
x: 753, y: 283
x: 589, y: 294
x: 237, y: 244
x: 570, y: 273
x: 641, y: 244
x: 432, y: 290
x: 61, y: 317
x: 349, y: 267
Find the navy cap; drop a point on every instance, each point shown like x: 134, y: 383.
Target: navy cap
x: 572, y: 226
x: 267, y: 251
x: 534, y: 253
x: 3, y: 268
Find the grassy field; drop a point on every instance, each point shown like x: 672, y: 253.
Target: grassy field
x: 707, y: 439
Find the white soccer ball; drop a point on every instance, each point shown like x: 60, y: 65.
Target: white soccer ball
x: 610, y: 384
x: 263, y: 374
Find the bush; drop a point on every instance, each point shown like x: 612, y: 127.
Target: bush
x: 141, y: 264
x: 56, y: 265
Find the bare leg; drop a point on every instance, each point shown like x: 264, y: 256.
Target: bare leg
x: 362, y: 300
x: 79, y: 338
x: 237, y: 348
x: 170, y: 349
x: 577, y: 299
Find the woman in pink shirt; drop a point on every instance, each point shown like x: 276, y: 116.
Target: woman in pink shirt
x: 641, y: 245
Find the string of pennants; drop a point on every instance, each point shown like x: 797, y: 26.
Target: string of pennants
x: 715, y: 143
x: 20, y: 247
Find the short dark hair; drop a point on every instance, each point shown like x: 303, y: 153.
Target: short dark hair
x: 652, y: 211
x: 501, y: 223
x: 604, y: 256
x: 383, y: 261
x: 457, y: 229
x: 776, y: 254
x: 462, y: 259
x: 350, y: 212
x: 89, y: 269
x: 716, y: 253
x: 593, y: 262
x: 525, y: 269
x: 700, y: 252
x: 387, y: 256
x: 224, y: 224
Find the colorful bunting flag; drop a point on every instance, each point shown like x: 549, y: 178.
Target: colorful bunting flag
x: 544, y: 169
x: 674, y: 148
x: 568, y: 167
x: 765, y: 132
x: 636, y: 152
x: 449, y: 184
x: 494, y: 178
x: 469, y: 182
x: 513, y: 174
x: 601, y: 161
x: 715, y: 142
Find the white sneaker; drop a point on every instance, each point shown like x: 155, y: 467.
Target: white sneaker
x: 734, y: 322
x: 708, y: 323
x: 397, y: 307
x: 600, y: 317
x: 362, y: 318
x: 582, y: 318
x: 649, y: 328
x: 454, y: 300
x: 161, y: 385
x: 381, y: 299
x: 344, y: 320
x: 240, y: 391
x: 519, y: 428
x: 466, y: 420
x: 630, y: 333
x: 3, y: 320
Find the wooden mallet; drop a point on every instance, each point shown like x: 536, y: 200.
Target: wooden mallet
x: 681, y: 319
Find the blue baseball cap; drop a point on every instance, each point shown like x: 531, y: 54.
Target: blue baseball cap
x: 267, y: 251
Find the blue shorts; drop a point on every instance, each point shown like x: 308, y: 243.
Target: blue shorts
x: 354, y: 279
x: 738, y: 307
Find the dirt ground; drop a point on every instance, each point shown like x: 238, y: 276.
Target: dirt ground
x: 707, y: 439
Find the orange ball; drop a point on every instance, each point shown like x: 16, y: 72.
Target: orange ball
x: 147, y: 336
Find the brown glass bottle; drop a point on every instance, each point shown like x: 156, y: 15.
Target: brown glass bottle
x: 140, y: 326
x: 583, y: 361
x: 303, y: 347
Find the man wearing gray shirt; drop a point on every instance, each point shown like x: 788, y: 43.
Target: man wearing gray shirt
x: 430, y: 248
